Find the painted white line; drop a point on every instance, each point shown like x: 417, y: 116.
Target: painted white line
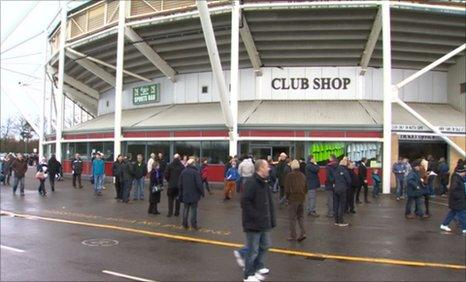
x: 127, y: 276
x: 12, y: 249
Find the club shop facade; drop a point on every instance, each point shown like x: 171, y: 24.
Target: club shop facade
x: 300, y: 78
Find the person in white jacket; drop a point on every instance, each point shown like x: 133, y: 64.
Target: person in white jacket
x: 150, y: 163
x: 246, y: 171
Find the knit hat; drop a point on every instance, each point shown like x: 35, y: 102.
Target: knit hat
x: 294, y: 164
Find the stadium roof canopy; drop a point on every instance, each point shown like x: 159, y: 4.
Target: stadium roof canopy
x: 284, y: 35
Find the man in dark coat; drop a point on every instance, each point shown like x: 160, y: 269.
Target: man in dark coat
x: 172, y: 175
x: 53, y: 167
x: 330, y: 184
x: 127, y: 175
x: 117, y: 172
x: 191, y: 191
x: 162, y: 163
x: 258, y: 216
x: 456, y: 200
x: 313, y: 183
x: 282, y: 170
x: 342, y: 185
x: 77, y: 167
x: 415, y: 190
x: 362, y: 172
x: 19, y: 168
x: 354, y: 186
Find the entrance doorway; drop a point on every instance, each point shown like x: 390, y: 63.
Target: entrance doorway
x: 262, y: 152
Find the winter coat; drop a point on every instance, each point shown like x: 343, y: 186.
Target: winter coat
x: 77, y: 166
x: 173, y: 172
x: 98, y: 167
x: 376, y: 179
x: 312, y: 176
x: 19, y: 167
x: 117, y: 169
x: 362, y: 173
x: 150, y: 164
x: 282, y: 170
x: 399, y: 168
x: 53, y: 166
x: 295, y: 187
x: 246, y: 168
x: 156, y: 177
x: 457, y: 193
x: 190, y: 185
x: 139, y: 170
x: 330, y: 180
x: 302, y: 167
x: 42, y: 167
x: 354, y: 179
x: 258, y: 212
x: 272, y: 174
x: 415, y: 188
x: 127, y: 172
x: 162, y: 164
x: 444, y: 173
x: 342, y: 179
x: 232, y: 174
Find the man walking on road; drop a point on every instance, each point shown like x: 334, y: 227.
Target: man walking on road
x: 191, y: 190
x: 54, y: 168
x: 19, y: 168
x: 258, y: 219
x: 77, y: 167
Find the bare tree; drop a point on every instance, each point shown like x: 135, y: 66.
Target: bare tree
x: 9, y: 128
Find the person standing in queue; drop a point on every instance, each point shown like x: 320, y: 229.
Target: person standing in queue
x: 313, y: 183
x: 19, y: 168
x: 191, y: 191
x: 282, y: 170
x: 172, y: 175
x: 205, y: 175
x: 230, y: 181
x: 77, y: 167
x: 354, y: 186
x: 295, y: 193
x: 330, y: 184
x: 140, y: 172
x: 54, y: 168
x: 98, y: 171
x: 342, y: 185
x: 127, y: 176
x: 362, y: 172
x: 117, y: 171
x: 245, y: 170
x: 415, y: 190
x: 156, y: 187
x: 258, y: 218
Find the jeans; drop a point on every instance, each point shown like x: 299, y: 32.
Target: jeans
x: 126, y: 190
x: 400, y: 181
x: 295, y: 214
x: 312, y: 198
x: 138, y: 189
x: 193, y: 219
x: 418, y: 208
x: 329, y: 203
x: 375, y: 190
x: 98, y: 183
x: 42, y: 187
x: 257, y: 244
x: 20, y: 181
x: 339, y: 205
x: 461, y: 214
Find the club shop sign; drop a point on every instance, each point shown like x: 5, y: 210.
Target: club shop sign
x: 317, y: 83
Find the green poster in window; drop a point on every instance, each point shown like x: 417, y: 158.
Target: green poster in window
x: 146, y: 94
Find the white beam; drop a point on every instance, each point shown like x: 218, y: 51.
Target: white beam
x: 90, y: 104
x: 431, y: 126
x: 119, y: 79
x: 60, y: 84
x: 107, y: 64
x: 251, y: 47
x: 92, y: 67
x: 431, y: 66
x: 150, y: 54
x: 78, y: 84
x: 371, y: 42
x: 215, y: 61
x: 234, y: 75
x: 44, y: 90
x: 22, y: 111
x: 387, y: 98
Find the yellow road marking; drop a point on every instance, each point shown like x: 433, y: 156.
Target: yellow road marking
x: 236, y: 245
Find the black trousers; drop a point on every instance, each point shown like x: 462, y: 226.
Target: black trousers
x: 339, y: 204
x: 172, y: 199
x: 365, y: 192
x: 52, y: 181
x: 153, y: 207
x: 119, y: 188
x: 426, y: 202
x: 78, y: 177
x: 42, y: 187
x: 350, y: 199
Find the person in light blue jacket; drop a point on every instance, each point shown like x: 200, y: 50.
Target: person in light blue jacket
x: 98, y: 170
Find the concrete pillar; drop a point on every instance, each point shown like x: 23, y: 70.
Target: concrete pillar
x: 60, y: 93
x: 395, y: 155
x: 234, y: 73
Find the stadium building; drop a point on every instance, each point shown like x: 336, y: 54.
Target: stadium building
x: 375, y: 79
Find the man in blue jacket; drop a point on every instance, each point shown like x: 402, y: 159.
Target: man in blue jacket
x: 98, y: 170
x: 399, y: 169
x: 313, y: 183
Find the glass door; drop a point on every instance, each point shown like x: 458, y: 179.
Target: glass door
x: 261, y: 152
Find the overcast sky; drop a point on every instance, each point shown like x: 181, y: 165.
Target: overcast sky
x: 28, y: 58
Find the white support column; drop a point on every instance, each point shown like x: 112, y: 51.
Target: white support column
x: 60, y: 83
x: 215, y: 62
x: 251, y: 47
x: 387, y: 97
x: 371, y: 42
x: 44, y: 90
x: 234, y: 75
x: 119, y: 78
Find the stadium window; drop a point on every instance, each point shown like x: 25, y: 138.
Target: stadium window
x: 205, y: 89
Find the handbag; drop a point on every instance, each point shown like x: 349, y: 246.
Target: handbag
x: 156, y: 188
x: 40, y: 175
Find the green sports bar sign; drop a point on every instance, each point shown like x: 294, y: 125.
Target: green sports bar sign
x: 146, y: 94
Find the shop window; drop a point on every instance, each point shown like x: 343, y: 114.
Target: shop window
x: 216, y: 152
x: 188, y: 148
x: 108, y: 151
x: 81, y: 148
x: 205, y: 89
x: 355, y: 151
x: 135, y: 148
x: 96, y: 147
x: 69, y: 150
x: 159, y: 147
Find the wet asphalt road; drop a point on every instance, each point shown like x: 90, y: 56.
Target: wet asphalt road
x: 54, y: 250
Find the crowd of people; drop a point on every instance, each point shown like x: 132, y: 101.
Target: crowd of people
x: 256, y: 181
